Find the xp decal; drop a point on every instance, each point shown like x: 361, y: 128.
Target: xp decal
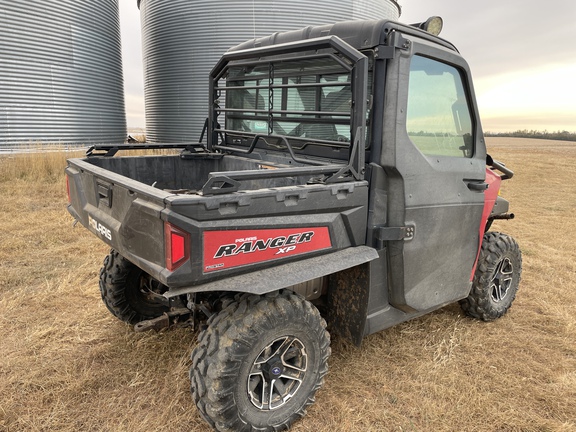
x: 227, y: 249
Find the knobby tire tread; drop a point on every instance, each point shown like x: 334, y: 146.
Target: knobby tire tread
x: 212, y: 388
x: 478, y: 304
x: 115, y: 275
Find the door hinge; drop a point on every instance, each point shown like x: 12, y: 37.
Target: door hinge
x: 395, y: 233
x: 395, y: 41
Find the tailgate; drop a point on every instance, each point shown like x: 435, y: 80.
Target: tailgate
x: 124, y: 213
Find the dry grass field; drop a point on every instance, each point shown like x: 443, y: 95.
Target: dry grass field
x: 67, y: 365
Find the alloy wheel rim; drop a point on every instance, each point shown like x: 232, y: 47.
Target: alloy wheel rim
x: 277, y: 373
x: 501, y: 280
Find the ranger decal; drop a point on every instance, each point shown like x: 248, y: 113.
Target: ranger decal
x: 227, y: 249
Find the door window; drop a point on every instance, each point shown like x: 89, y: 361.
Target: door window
x: 438, y: 118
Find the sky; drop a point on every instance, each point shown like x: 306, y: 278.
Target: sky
x: 522, y: 55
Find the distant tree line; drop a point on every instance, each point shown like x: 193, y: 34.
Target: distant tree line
x: 560, y: 135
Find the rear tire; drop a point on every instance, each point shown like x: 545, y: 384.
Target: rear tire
x: 126, y: 290
x: 496, y: 278
x: 259, y: 363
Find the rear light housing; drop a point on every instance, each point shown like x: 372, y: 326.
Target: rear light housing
x: 177, y: 246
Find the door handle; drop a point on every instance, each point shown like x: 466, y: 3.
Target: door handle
x: 478, y: 187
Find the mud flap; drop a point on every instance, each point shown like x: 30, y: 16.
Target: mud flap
x: 348, y: 292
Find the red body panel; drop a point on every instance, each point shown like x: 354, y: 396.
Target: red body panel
x: 490, y: 195
x: 228, y: 249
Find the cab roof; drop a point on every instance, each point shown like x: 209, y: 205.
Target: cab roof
x: 360, y: 34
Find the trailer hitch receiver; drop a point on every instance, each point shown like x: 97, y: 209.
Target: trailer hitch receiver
x: 181, y: 316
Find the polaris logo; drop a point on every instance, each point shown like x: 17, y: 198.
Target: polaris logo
x: 284, y: 244
x: 99, y: 228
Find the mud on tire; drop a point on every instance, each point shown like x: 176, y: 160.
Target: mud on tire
x: 496, y: 279
x: 125, y: 290
x: 259, y: 362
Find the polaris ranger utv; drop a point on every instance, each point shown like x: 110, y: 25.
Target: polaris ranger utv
x: 344, y: 177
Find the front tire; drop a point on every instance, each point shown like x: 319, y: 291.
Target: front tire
x: 260, y: 362
x: 128, y: 292
x: 496, y: 279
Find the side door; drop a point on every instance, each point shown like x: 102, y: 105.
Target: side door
x: 434, y: 155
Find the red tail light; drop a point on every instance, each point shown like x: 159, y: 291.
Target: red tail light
x: 177, y: 246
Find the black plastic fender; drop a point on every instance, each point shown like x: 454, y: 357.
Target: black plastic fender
x: 285, y: 275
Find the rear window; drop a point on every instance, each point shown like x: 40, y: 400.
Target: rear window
x: 307, y: 99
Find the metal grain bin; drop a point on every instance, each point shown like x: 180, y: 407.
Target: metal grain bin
x: 60, y: 72
x: 183, y: 39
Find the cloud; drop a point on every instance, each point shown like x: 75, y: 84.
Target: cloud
x: 549, y: 121
x: 544, y: 98
x: 496, y: 36
x: 135, y: 115
x: 550, y: 87
x: 132, y: 64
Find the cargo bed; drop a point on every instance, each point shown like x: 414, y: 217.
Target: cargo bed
x: 131, y: 201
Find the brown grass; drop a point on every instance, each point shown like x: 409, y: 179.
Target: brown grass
x: 66, y: 364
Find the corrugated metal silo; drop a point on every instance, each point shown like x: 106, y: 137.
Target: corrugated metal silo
x: 183, y: 39
x: 60, y: 72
